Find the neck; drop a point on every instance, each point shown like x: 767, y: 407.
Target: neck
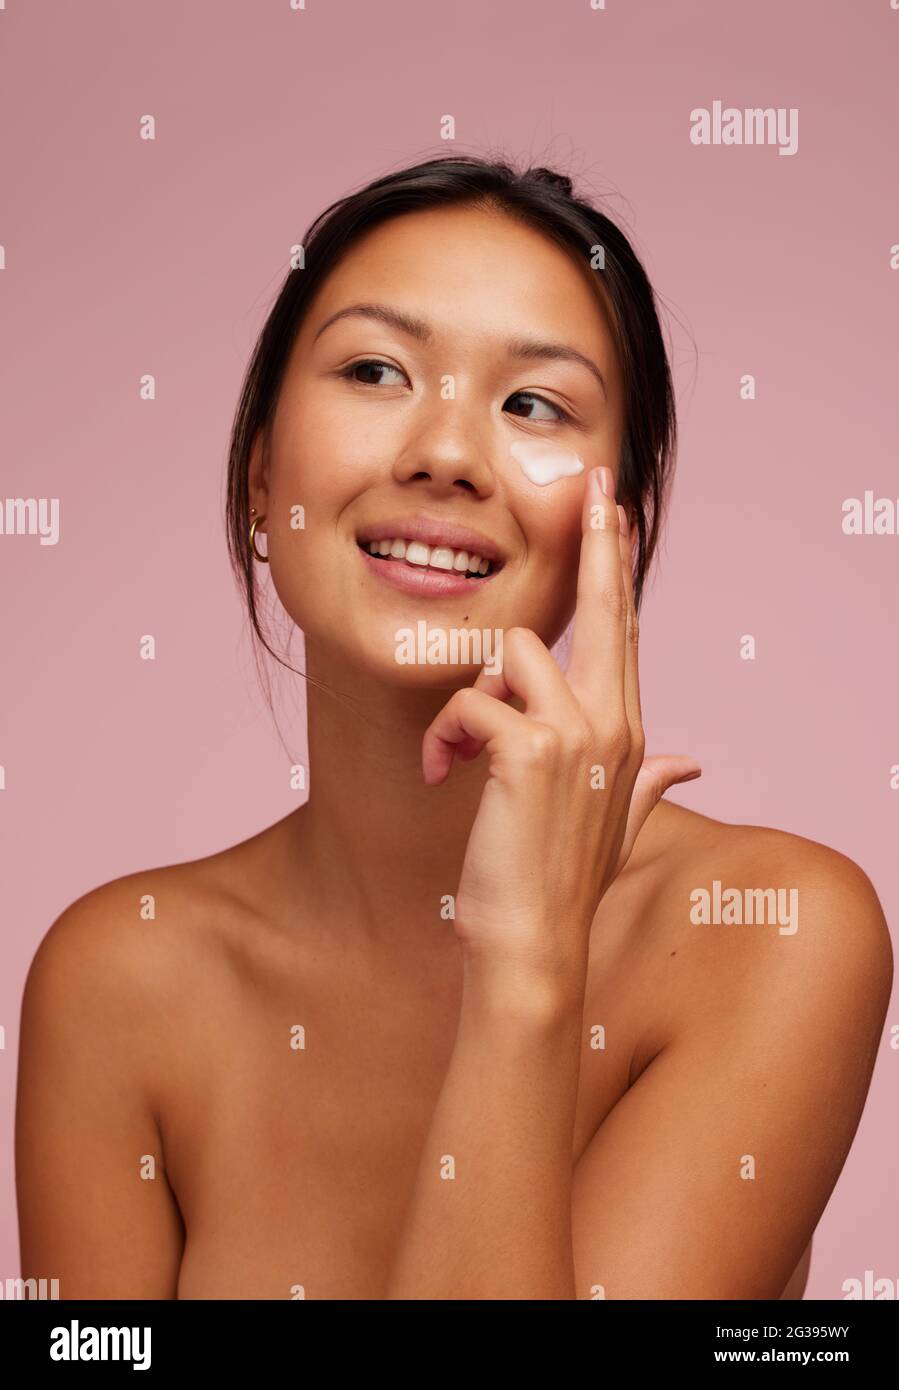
x: 374, y: 850
x: 377, y: 847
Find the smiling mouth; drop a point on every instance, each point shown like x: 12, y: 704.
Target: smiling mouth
x: 439, y: 559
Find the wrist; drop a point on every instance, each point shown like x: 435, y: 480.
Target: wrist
x: 525, y: 991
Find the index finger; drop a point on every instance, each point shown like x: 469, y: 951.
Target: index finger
x: 596, y: 668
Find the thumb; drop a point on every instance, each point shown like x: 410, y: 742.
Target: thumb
x: 656, y: 775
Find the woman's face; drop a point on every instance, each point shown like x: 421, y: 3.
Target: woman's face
x: 430, y: 423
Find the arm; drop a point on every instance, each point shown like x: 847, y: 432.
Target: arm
x: 490, y: 1215
x: 84, y: 1121
x: 773, y: 1068
x: 548, y: 839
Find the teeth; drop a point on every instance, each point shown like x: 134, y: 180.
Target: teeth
x: 418, y: 554
x: 440, y: 557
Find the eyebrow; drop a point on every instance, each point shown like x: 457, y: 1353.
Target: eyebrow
x: 526, y: 349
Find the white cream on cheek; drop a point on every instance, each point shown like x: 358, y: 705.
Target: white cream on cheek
x: 544, y: 463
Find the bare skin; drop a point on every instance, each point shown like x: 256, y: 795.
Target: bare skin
x: 285, y: 1171
x: 279, y: 1168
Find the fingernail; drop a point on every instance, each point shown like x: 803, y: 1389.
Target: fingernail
x: 622, y: 520
x: 595, y: 482
x: 605, y: 481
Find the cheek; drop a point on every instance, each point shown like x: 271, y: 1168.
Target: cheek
x: 320, y: 464
x: 552, y: 525
x: 544, y: 463
x: 551, y: 518
x: 314, y: 449
x: 306, y: 472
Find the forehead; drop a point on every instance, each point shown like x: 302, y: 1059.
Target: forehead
x: 473, y: 274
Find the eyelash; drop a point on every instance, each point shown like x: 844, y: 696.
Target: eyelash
x: 347, y: 372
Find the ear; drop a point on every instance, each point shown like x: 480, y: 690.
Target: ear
x: 258, y: 474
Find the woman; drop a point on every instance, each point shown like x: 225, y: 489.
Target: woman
x: 458, y: 1027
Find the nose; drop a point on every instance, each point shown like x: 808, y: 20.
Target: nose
x: 444, y: 457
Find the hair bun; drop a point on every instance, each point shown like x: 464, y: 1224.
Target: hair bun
x: 556, y: 180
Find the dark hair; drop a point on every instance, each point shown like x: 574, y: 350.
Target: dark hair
x: 540, y: 197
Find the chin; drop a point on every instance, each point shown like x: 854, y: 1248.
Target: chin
x: 415, y: 645
x: 419, y: 654
x: 448, y: 678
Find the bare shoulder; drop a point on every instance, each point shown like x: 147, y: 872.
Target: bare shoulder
x: 748, y: 916
x: 128, y: 957
x: 116, y: 985
x: 758, y: 965
x: 137, y: 921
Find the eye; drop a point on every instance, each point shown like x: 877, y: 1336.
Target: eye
x: 369, y: 364
x: 560, y: 414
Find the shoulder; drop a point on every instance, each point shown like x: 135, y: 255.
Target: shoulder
x: 114, y: 988
x: 126, y: 957
x: 747, y: 916
x: 129, y: 924
x: 756, y: 1043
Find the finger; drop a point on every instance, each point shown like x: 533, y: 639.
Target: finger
x: 531, y: 672
x: 596, y: 668
x: 491, y: 683
x: 631, y: 645
x: 469, y: 714
x: 654, y: 778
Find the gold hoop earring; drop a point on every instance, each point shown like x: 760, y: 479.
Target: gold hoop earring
x: 263, y: 559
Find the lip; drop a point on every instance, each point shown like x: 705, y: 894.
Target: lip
x: 419, y: 580
x: 432, y: 531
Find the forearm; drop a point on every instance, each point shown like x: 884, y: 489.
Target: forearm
x: 490, y: 1213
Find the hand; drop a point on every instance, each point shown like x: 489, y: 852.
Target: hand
x: 549, y: 838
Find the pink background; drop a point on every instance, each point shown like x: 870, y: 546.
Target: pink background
x: 125, y: 257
